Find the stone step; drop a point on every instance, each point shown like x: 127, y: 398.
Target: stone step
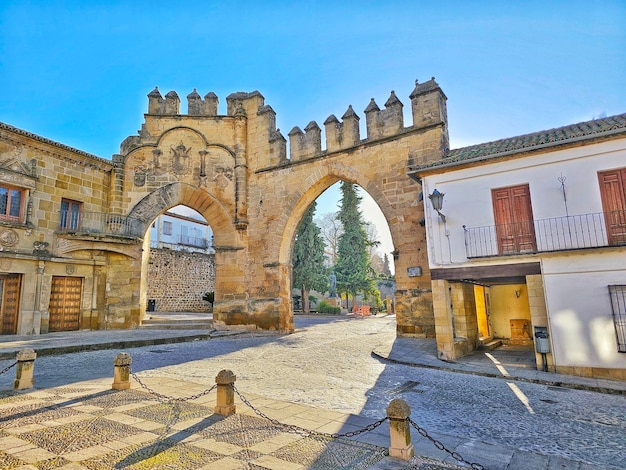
x: 177, y: 325
x: 490, y: 344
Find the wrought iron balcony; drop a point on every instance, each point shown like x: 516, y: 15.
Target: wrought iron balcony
x: 195, y: 242
x: 99, y: 223
x: 572, y: 232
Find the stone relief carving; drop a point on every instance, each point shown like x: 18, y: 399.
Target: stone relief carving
x: 8, y: 237
x: 140, y: 176
x: 223, y: 176
x: 180, y: 159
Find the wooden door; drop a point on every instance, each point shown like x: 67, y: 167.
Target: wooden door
x: 515, y: 230
x: 65, y: 303
x: 613, y: 194
x: 10, y: 285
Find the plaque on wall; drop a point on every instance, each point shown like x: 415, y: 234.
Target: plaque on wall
x: 415, y: 271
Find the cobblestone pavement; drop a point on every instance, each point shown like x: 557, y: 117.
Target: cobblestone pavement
x: 327, y: 364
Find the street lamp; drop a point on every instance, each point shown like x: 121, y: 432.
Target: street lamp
x: 436, y: 200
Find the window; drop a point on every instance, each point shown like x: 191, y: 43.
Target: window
x: 613, y: 195
x: 11, y: 203
x: 515, y: 230
x: 618, y: 303
x: 167, y: 227
x: 70, y: 215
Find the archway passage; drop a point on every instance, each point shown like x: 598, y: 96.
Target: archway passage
x: 235, y: 170
x: 181, y: 265
x: 320, y: 244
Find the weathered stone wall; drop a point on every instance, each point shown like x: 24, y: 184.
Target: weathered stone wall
x: 177, y: 280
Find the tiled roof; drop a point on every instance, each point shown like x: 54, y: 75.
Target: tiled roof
x: 537, y: 140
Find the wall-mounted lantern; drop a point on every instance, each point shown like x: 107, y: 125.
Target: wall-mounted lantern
x: 436, y: 200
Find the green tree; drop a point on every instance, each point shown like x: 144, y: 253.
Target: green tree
x: 308, y: 258
x: 353, y: 268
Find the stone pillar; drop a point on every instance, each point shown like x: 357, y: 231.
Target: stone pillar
x: 25, y: 369
x: 400, y: 446
x: 241, y: 169
x: 225, y: 381
x: 121, y: 372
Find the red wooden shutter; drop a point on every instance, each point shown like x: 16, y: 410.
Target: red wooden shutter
x: 613, y: 194
x: 513, y: 214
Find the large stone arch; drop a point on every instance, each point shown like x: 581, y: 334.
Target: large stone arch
x: 300, y: 202
x: 330, y: 175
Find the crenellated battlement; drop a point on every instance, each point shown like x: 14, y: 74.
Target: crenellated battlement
x: 428, y: 108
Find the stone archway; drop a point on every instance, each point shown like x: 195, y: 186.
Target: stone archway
x: 225, y: 234
x: 235, y: 170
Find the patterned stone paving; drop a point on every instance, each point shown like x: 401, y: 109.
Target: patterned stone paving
x: 159, y: 455
x: 165, y: 413
x: 79, y: 435
x: 317, y: 452
x: 103, y: 429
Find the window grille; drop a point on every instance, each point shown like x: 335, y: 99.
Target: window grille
x: 618, y: 303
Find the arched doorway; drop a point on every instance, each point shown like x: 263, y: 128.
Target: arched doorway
x: 181, y: 265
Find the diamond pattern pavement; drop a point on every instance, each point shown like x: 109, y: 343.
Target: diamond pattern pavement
x: 93, y: 427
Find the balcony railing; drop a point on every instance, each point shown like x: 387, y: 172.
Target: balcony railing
x: 182, y: 242
x: 99, y: 223
x: 573, y: 232
x: 195, y: 242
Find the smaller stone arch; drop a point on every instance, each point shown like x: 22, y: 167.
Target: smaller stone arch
x: 198, y: 199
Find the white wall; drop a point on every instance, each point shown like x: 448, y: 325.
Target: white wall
x: 467, y: 199
x: 579, y: 307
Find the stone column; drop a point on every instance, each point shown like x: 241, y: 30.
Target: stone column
x: 398, y: 413
x: 121, y: 372
x: 225, y: 381
x: 25, y: 369
x: 241, y: 170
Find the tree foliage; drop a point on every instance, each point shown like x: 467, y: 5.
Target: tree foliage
x: 331, y: 230
x: 353, y: 268
x: 308, y: 258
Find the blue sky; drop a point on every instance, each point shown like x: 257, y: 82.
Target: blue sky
x: 79, y: 72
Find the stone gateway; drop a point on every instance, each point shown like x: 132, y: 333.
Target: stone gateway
x: 238, y: 171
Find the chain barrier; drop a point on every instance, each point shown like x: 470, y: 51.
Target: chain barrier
x: 439, y: 445
x: 309, y: 432
x: 300, y: 430
x: 166, y: 398
x: 6, y: 369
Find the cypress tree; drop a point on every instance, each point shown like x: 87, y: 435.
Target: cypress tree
x: 308, y: 258
x: 353, y: 269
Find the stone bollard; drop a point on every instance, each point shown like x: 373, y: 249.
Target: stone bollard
x: 398, y: 413
x: 121, y: 371
x: 25, y: 369
x: 225, y: 381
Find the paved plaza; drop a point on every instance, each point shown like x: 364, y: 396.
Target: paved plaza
x: 335, y: 375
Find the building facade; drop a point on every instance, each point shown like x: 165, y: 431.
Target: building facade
x: 527, y: 242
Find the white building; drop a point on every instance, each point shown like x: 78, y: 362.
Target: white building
x: 181, y: 231
x: 531, y: 238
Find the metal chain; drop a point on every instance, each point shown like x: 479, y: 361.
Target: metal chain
x: 300, y: 430
x: 6, y: 369
x: 455, y: 455
x: 162, y: 397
